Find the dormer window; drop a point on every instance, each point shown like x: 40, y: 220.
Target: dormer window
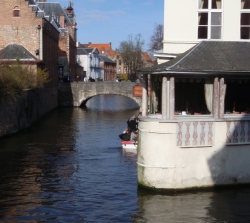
x: 16, y: 12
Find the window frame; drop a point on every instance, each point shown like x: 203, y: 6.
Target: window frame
x: 18, y: 15
x: 244, y: 11
x: 209, y: 25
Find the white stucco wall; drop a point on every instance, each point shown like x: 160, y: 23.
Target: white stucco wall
x: 164, y: 165
x: 181, y: 24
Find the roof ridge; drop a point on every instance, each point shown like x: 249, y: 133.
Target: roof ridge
x: 168, y: 68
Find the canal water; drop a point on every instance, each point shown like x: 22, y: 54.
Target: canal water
x: 70, y: 167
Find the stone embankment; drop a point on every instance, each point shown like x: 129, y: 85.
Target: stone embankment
x: 20, y: 113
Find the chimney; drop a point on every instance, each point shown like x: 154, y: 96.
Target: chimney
x: 62, y: 20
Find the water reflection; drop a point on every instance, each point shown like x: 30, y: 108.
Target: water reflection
x: 70, y: 167
x: 218, y: 206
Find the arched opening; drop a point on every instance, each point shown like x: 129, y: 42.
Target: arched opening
x: 110, y: 102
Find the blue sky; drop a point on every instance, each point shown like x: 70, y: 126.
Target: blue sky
x: 104, y: 21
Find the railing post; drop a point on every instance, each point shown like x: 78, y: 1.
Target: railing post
x: 222, y: 97
x: 144, y: 96
x: 171, y: 98
x: 216, y: 98
x: 164, y: 98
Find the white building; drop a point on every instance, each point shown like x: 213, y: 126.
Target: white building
x: 195, y: 126
x: 89, y: 59
x: 187, y: 22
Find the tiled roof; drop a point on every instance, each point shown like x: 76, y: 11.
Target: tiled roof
x: 112, y: 53
x: 209, y: 57
x: 53, y: 7
x: 101, y: 46
x: 84, y: 51
x: 31, y: 2
x: 16, y: 51
x: 106, y: 59
x: 147, y: 57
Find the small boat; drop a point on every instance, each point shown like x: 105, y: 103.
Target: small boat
x: 129, y: 144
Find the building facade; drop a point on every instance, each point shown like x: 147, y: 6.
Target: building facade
x: 22, y: 23
x: 225, y: 20
x: 64, y: 20
x: 195, y: 109
x: 90, y: 60
x: 108, y: 68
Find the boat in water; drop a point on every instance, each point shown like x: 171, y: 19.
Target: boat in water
x: 129, y: 144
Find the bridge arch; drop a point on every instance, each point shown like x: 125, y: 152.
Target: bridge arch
x: 78, y: 93
x: 83, y: 101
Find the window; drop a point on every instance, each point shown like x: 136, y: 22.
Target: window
x: 117, y: 57
x: 245, y: 19
x: 120, y: 62
x: 209, y: 19
x: 16, y: 12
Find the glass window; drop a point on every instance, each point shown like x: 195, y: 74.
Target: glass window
x: 245, y: 26
x: 209, y: 19
x: 216, y: 4
x: 245, y: 4
x: 16, y: 13
x: 203, y: 4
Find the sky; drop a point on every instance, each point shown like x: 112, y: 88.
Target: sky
x: 105, y: 21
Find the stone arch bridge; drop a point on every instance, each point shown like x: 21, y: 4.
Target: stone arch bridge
x: 78, y: 93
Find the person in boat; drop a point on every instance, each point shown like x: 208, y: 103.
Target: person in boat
x: 125, y: 136
x: 134, y: 136
x: 132, y: 123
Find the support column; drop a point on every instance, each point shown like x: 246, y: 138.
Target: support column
x: 222, y: 98
x: 144, y: 96
x: 171, y: 98
x: 216, y: 98
x: 164, y: 98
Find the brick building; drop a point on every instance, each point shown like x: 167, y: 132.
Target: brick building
x: 22, y: 23
x: 64, y: 20
x: 108, y: 68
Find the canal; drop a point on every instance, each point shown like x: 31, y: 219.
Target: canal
x: 70, y: 167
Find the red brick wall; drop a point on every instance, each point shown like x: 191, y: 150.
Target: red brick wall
x: 21, y: 30
x: 50, y: 51
x: 63, y: 45
x: 24, y: 30
x: 72, y: 58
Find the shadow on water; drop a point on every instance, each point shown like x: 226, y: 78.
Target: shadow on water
x: 70, y: 167
x: 224, y: 204
x: 217, y: 205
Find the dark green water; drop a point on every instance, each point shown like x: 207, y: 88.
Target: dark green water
x: 70, y: 167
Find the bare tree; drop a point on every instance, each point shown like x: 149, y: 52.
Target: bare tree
x: 131, y: 50
x: 156, y: 40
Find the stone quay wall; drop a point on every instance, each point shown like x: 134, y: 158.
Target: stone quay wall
x: 20, y: 113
